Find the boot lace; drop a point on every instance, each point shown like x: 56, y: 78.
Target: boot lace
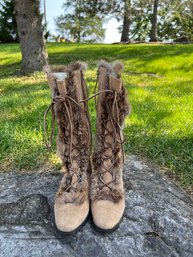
x: 116, y: 134
x: 67, y: 102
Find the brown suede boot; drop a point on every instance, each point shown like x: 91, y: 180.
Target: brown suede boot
x: 107, y: 191
x: 73, y: 145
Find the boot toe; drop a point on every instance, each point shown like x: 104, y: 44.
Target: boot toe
x: 70, y: 216
x: 107, y: 214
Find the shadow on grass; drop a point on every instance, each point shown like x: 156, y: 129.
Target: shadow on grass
x: 143, y: 53
x: 7, y: 70
x: 24, y: 97
x: 10, y: 48
x: 24, y: 88
x: 93, y: 53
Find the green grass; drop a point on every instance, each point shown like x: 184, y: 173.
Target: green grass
x: 160, y: 127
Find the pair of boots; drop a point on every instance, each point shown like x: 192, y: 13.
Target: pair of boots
x: 91, y: 180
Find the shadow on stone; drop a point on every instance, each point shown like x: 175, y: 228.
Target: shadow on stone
x: 32, y: 209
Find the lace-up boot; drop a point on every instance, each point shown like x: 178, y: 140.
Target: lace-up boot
x: 73, y: 144
x: 107, y: 191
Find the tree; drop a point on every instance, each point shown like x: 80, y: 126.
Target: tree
x: 140, y: 15
x: 30, y: 35
x: 8, y: 26
x: 176, y: 20
x: 153, y: 32
x: 82, y: 21
x: 126, y: 21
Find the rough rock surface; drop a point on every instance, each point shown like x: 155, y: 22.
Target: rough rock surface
x: 158, y: 220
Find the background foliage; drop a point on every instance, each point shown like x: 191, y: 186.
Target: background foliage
x: 84, y: 20
x: 8, y: 26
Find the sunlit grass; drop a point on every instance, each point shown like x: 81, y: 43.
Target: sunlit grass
x: 159, y: 128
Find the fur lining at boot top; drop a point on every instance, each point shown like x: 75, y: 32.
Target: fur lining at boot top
x: 116, y: 67
x: 79, y: 191
x: 61, y: 68
x: 117, y: 192
x: 123, y: 104
x: 51, y: 70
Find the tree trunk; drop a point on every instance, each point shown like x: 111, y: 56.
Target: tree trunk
x: 29, y: 23
x: 126, y: 21
x: 79, y: 20
x: 153, y: 32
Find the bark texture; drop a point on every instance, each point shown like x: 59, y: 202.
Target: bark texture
x: 29, y: 23
x: 126, y: 21
x: 153, y: 32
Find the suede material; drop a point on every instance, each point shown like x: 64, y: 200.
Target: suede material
x: 105, y: 71
x: 115, y: 83
x: 70, y: 216
x: 107, y: 205
x: 62, y: 87
x: 72, y: 199
x: 107, y: 214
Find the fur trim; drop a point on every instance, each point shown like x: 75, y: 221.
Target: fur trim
x: 98, y: 190
x: 116, y: 67
x: 105, y: 64
x: 79, y: 191
x: 76, y: 194
x: 79, y: 124
x: 77, y: 66
x: 113, y: 195
x: 58, y: 68
x: 48, y: 69
x: 124, y: 106
x: 84, y: 66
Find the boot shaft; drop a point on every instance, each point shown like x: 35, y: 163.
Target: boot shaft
x: 74, y: 135
x: 74, y: 146
x: 112, y: 108
x: 107, y: 190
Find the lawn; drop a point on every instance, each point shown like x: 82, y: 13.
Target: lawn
x: 159, y: 79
